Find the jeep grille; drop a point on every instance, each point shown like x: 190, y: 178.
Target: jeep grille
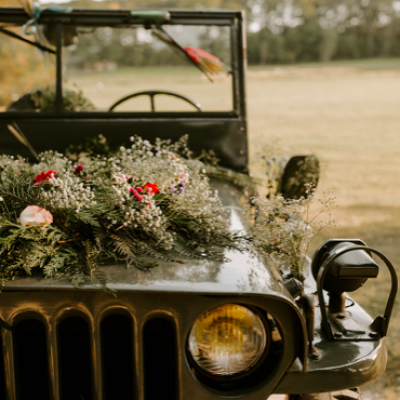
x: 69, y: 353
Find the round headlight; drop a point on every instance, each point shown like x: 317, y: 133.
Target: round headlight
x: 227, y: 340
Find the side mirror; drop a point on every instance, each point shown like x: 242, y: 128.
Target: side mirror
x: 299, y: 171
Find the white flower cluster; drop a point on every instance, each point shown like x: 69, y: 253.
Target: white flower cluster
x: 67, y: 192
x: 284, y: 228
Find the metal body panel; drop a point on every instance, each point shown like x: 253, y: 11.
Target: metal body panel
x: 239, y: 275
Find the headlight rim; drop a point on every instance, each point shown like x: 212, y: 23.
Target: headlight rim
x: 198, y: 371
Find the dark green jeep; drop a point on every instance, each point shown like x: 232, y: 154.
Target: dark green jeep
x: 205, y: 329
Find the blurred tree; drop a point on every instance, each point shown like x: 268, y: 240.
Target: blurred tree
x: 340, y: 29
x: 328, y: 45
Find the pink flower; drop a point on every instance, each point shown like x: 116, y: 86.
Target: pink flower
x: 35, y: 215
x: 44, y: 177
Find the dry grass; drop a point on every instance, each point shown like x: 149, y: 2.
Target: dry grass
x: 348, y: 115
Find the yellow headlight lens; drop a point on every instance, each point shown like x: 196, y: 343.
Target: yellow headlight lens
x: 227, y: 340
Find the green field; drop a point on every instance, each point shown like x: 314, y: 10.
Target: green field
x: 348, y: 114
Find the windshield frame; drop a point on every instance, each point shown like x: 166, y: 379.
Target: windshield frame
x: 123, y: 18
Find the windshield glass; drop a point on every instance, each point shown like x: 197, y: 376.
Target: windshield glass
x: 128, y: 69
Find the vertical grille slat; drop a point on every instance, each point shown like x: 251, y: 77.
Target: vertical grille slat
x: 117, y: 357
x: 9, y: 365
x: 2, y: 370
x: 160, y: 359
x: 138, y: 361
x: 74, y: 358
x: 53, y: 363
x: 97, y: 363
x: 30, y: 357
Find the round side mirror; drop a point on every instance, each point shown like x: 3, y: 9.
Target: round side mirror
x: 299, y: 171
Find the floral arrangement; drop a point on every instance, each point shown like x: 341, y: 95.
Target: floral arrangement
x: 67, y: 214
x: 60, y: 217
x: 283, y: 228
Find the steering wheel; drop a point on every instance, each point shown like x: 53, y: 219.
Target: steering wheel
x: 152, y: 94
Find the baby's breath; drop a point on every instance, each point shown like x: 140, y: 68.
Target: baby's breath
x: 283, y: 228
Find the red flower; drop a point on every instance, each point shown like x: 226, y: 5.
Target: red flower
x: 78, y: 169
x: 151, y: 188
x: 44, y: 177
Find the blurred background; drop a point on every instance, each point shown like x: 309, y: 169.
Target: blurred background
x: 323, y: 78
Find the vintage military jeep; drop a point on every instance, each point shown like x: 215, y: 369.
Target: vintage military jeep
x: 59, y: 342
